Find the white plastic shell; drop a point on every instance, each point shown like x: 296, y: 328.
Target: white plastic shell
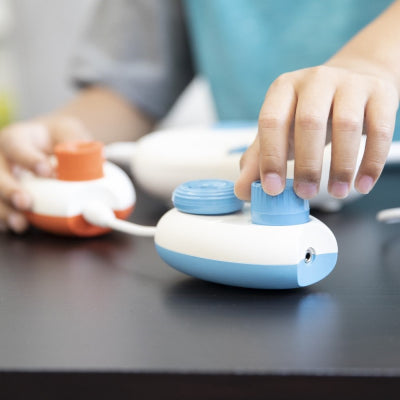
x: 233, y: 238
x: 58, y: 198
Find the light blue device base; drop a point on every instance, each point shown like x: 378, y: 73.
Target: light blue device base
x: 251, y: 275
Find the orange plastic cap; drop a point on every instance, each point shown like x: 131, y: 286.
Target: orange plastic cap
x: 79, y: 161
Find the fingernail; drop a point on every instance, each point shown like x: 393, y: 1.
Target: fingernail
x: 340, y: 189
x: 17, y: 222
x: 365, y: 184
x: 272, y: 184
x: 43, y: 168
x: 306, y: 190
x: 21, y: 200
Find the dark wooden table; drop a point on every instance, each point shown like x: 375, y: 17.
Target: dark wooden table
x: 105, y: 318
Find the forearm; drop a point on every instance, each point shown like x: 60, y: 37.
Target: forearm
x: 377, y: 46
x: 105, y: 115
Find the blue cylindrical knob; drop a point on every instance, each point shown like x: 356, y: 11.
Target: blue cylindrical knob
x: 284, y: 209
x: 206, y: 197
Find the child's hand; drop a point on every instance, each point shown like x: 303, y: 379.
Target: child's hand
x: 295, y: 116
x: 29, y: 145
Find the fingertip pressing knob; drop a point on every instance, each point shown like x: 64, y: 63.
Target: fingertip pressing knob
x: 284, y: 209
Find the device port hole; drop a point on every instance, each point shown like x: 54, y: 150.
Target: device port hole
x: 310, y: 255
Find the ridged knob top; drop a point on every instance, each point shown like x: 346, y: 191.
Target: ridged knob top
x: 206, y: 197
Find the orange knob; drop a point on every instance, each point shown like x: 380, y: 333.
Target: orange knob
x: 79, y: 161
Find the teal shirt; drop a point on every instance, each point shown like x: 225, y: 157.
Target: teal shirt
x: 242, y: 46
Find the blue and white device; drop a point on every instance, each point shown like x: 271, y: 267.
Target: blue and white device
x: 271, y: 243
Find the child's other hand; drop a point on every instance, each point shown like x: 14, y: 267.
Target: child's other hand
x: 29, y: 145
x: 294, y: 117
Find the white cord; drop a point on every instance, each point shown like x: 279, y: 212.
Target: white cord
x: 97, y: 213
x: 389, y: 216
x: 121, y: 152
x: 131, y: 228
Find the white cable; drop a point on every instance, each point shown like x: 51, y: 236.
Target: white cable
x: 389, y: 216
x: 131, y: 228
x: 97, y: 213
x: 120, y: 152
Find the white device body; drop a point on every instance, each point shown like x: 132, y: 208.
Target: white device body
x: 58, y: 198
x: 229, y: 249
x: 163, y: 160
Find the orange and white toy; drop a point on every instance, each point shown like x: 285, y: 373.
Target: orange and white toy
x: 83, y: 180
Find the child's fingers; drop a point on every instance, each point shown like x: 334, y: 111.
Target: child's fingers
x: 10, y: 190
x: 313, y: 108
x: 27, y: 144
x: 249, y: 171
x: 380, y: 115
x: 274, y: 124
x: 347, y: 125
x: 12, y: 193
x: 12, y: 219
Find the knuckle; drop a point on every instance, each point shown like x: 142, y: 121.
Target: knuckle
x: 383, y: 132
x: 318, y: 71
x: 270, y: 162
x: 270, y: 158
x: 342, y: 174
x: 347, y: 124
x: 372, y: 166
x: 271, y: 122
x: 307, y: 172
x: 310, y: 122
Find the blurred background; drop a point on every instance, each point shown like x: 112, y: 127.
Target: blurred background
x: 36, y: 41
